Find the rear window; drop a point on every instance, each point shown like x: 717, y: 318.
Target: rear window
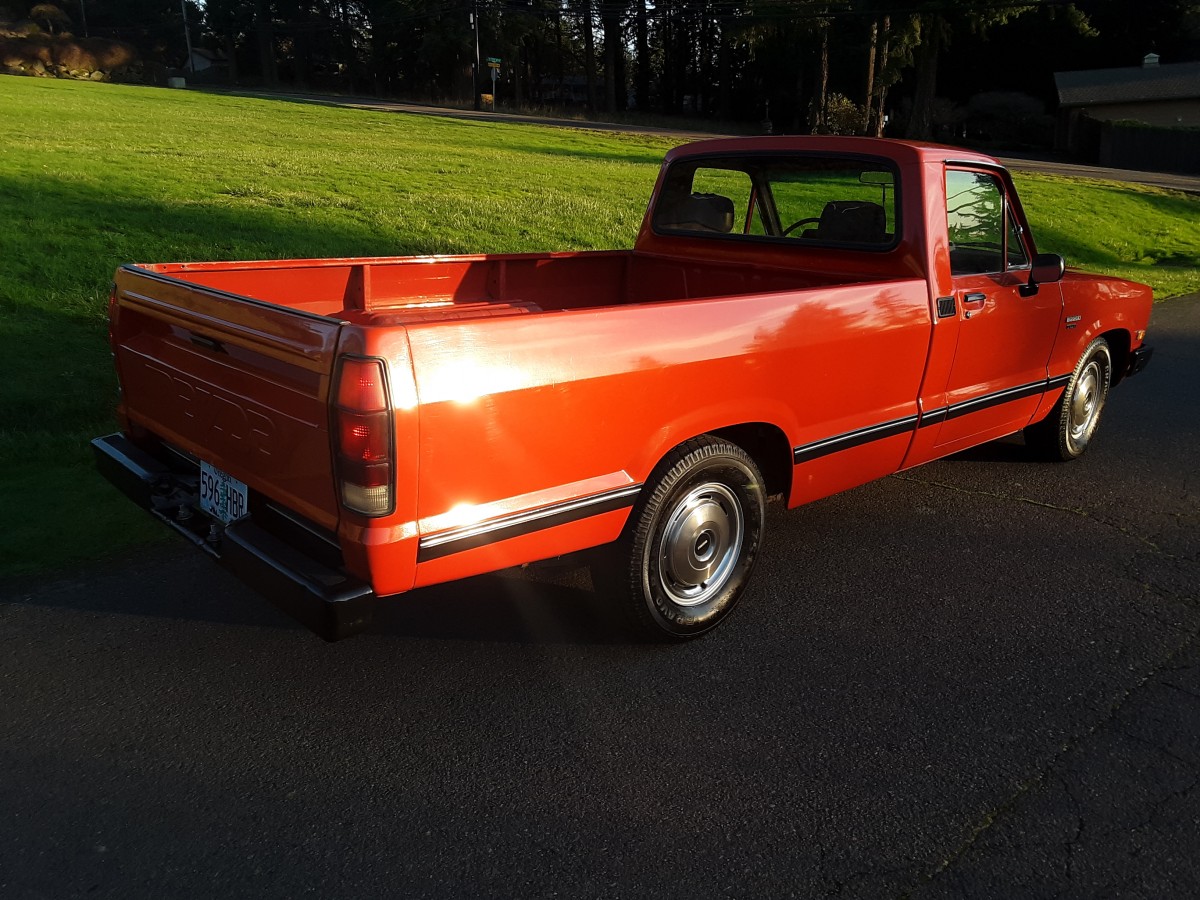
x: 807, y: 199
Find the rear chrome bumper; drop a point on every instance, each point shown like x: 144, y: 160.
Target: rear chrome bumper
x: 329, y: 602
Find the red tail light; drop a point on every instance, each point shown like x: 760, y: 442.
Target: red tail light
x: 364, y: 452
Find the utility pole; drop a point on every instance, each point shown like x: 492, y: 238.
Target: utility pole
x: 83, y: 16
x: 187, y: 36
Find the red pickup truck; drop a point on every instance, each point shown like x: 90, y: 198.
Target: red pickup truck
x: 798, y: 316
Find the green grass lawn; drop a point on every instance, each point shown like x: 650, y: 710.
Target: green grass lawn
x: 94, y: 175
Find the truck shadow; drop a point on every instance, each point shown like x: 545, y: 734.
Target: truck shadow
x: 173, y: 583
x: 539, y: 605
x: 1009, y: 449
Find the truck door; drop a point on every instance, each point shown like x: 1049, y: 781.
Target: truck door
x: 1005, y: 338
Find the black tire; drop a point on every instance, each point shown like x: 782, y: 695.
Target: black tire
x: 1065, y: 433
x: 689, y: 546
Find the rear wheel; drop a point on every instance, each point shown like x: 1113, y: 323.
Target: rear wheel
x: 690, y: 544
x: 1067, y: 431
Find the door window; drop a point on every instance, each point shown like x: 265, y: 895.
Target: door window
x: 984, y: 238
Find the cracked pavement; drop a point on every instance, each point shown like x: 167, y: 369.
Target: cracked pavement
x: 1116, y: 815
x: 980, y: 678
x: 1116, y: 812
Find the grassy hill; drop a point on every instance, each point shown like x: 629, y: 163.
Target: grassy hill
x: 94, y: 175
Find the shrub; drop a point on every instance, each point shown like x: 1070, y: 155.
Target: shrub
x: 43, y: 53
x: 844, y: 116
x: 1005, y: 117
x: 109, y: 55
x: 50, y: 17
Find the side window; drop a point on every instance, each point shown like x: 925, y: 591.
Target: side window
x: 975, y: 219
x: 984, y: 239
x: 1015, y: 249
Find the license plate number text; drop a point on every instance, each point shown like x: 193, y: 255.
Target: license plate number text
x: 221, y: 495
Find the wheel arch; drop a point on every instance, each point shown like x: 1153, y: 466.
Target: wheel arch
x: 1120, y: 344
x: 770, y: 449
x: 765, y: 443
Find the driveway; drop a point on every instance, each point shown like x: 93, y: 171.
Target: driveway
x: 977, y: 679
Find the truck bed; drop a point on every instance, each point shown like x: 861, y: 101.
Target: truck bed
x: 231, y: 364
x: 399, y: 291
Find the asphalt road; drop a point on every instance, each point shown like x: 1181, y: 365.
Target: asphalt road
x: 979, y: 679
x: 1168, y: 180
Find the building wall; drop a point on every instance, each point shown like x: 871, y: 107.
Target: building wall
x: 1077, y: 129
x: 1150, y: 148
x: 1163, y: 113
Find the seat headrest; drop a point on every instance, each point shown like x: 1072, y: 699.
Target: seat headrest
x: 699, y: 212
x: 853, y: 221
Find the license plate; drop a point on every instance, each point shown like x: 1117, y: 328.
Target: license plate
x: 221, y: 495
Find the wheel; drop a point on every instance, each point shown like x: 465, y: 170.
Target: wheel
x: 689, y: 546
x: 1067, y: 431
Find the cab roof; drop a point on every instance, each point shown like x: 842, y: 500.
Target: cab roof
x: 901, y: 151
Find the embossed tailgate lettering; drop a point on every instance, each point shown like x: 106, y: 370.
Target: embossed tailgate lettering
x: 210, y: 415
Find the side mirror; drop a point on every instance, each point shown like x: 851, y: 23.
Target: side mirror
x: 1047, y: 268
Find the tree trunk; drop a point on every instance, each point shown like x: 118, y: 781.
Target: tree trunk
x: 820, y: 101
x: 666, y: 84
x: 589, y: 54
x: 797, y: 126
x: 558, y: 62
x: 642, y: 84
x: 724, y: 74
x: 231, y: 52
x: 622, y: 76
x: 534, y: 71
x: 920, y: 121
x: 869, y: 94
x: 265, y: 33
x: 884, y: 49
x: 302, y: 53
x: 518, y: 73
x: 612, y: 46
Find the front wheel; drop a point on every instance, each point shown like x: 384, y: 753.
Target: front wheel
x: 1067, y: 431
x: 691, y: 541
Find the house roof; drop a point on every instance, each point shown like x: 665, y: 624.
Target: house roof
x: 1091, y: 87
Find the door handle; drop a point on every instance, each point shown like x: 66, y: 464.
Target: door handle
x: 210, y: 343
x: 972, y: 302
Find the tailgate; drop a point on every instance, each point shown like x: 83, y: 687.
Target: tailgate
x: 236, y: 382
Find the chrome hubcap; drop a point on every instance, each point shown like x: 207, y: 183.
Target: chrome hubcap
x: 1085, y: 403
x: 700, y: 544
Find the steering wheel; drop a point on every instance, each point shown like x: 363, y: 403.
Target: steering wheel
x: 795, y: 225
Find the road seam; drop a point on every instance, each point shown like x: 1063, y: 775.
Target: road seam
x: 991, y: 817
x: 1072, y: 510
